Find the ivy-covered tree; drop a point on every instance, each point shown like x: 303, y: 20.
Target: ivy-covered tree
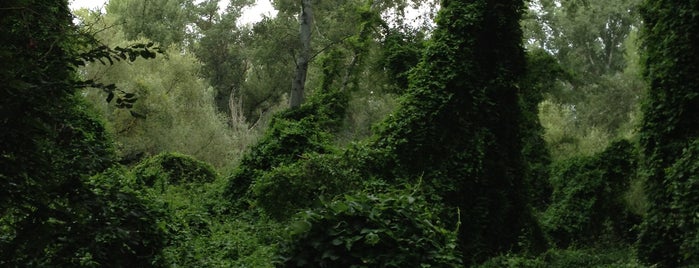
x: 54, y: 211
x: 669, y: 132
x: 458, y: 126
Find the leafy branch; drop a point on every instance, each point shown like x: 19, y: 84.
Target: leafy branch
x: 104, y: 55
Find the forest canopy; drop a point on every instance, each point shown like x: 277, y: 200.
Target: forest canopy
x: 481, y: 133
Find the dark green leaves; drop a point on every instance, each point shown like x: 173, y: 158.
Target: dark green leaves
x: 104, y: 54
x: 395, y: 229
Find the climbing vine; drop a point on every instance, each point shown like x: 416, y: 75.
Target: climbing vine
x: 669, y: 128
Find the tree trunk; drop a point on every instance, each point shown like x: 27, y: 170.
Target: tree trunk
x: 298, y: 84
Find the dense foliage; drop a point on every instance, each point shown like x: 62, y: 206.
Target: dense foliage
x: 173, y: 168
x: 53, y: 212
x: 668, y: 132
x: 588, y: 203
x: 155, y: 134
x: 396, y: 229
x: 458, y: 125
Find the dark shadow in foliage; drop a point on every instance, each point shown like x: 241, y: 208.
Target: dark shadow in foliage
x: 66, y: 220
x: 173, y: 168
x: 396, y: 229
x: 588, y: 198
x: 124, y: 225
x: 540, y: 78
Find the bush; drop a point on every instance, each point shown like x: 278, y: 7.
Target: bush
x: 123, y: 225
x: 291, y: 134
x: 286, y: 189
x: 396, y: 229
x: 568, y: 258
x: 588, y: 197
x: 201, y: 233
x: 173, y: 168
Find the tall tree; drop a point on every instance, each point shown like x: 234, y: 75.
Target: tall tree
x: 458, y: 126
x: 222, y: 49
x: 596, y: 96
x: 163, y: 21
x: 669, y: 133
x: 51, y: 214
x: 298, y: 84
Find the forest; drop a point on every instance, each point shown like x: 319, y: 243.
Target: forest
x: 345, y: 133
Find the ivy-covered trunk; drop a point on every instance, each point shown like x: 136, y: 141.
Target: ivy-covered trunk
x: 669, y: 235
x: 459, y: 125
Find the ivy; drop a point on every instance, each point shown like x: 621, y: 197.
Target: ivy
x: 59, y: 204
x: 395, y: 229
x: 173, y: 168
x: 587, y: 204
x: 458, y: 126
x: 669, y: 127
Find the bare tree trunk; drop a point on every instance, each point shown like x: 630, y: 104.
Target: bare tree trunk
x: 298, y: 84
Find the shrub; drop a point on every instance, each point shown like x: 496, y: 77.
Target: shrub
x: 123, y: 225
x: 567, y: 258
x: 588, y: 196
x: 286, y: 189
x: 291, y: 134
x: 285, y: 142
x: 396, y: 229
x: 201, y: 233
x: 173, y: 168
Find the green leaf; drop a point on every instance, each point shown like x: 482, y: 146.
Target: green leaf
x: 300, y: 227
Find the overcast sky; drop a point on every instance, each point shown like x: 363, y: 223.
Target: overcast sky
x: 251, y: 15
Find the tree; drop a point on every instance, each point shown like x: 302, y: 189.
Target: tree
x: 458, y: 125
x: 599, y: 88
x: 163, y: 21
x: 223, y: 50
x: 297, y: 132
x: 669, y: 132
x: 176, y: 107
x: 298, y: 84
x: 55, y: 207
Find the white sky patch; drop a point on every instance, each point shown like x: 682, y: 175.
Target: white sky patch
x: 89, y: 4
x: 255, y: 13
x: 251, y: 14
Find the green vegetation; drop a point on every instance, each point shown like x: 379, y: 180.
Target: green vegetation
x: 588, y: 203
x: 669, y: 133
x: 173, y: 168
x: 395, y: 229
x: 164, y: 133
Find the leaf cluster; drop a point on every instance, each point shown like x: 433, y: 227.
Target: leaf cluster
x: 173, y: 168
x: 395, y: 229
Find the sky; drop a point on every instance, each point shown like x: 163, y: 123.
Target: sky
x: 251, y: 14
